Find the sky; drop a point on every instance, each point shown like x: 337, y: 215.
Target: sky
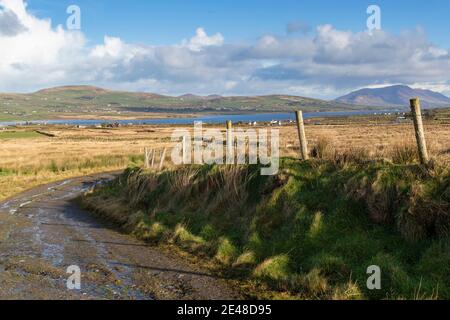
x: 320, y: 48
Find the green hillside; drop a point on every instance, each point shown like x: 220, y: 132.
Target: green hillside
x: 83, y: 100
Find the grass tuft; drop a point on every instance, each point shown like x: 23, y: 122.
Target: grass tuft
x: 274, y: 268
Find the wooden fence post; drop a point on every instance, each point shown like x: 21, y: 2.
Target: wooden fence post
x: 153, y: 158
x: 418, y: 128
x: 302, y: 135
x: 185, y: 155
x: 230, y: 143
x: 147, y: 157
x: 163, y: 158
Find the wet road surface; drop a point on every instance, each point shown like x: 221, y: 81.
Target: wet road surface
x: 43, y: 232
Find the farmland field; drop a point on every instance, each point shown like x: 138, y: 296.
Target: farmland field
x: 18, y: 135
x: 31, y: 159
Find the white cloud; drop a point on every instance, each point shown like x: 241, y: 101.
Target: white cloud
x: 202, y: 40
x: 37, y: 51
x: 112, y: 48
x: 9, y: 24
x: 325, y: 63
x: 331, y: 39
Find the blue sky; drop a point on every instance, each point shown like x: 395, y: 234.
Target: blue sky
x: 168, y: 21
x: 318, y: 48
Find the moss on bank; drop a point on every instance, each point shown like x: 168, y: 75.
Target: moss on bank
x: 310, y: 232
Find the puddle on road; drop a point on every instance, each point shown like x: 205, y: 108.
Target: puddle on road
x: 125, y: 274
x: 25, y: 204
x: 53, y: 246
x: 53, y: 188
x: 50, y: 251
x: 13, y: 206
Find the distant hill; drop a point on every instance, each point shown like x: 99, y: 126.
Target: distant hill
x: 87, y: 100
x: 72, y: 89
x: 394, y: 96
x: 189, y: 96
x: 193, y: 97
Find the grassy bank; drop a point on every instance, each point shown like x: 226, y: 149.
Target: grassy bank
x: 310, y: 232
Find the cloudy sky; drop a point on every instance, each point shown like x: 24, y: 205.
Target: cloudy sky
x: 309, y: 48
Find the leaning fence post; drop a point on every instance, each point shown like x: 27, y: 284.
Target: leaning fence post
x: 418, y: 128
x: 153, y: 158
x: 163, y: 158
x: 147, y: 157
x: 302, y: 135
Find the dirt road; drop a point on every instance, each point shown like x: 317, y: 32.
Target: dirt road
x: 43, y: 232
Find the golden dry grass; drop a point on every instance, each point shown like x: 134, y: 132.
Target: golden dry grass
x: 28, y: 162
x: 379, y: 141
x: 73, y: 152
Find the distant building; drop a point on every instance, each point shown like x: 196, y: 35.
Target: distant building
x: 276, y: 123
x: 401, y: 119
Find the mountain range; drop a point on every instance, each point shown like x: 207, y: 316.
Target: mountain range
x: 92, y: 101
x: 395, y: 96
